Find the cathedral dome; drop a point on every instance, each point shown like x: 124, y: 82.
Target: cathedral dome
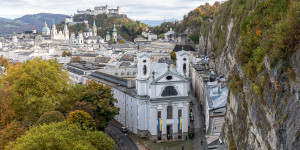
x: 45, y: 29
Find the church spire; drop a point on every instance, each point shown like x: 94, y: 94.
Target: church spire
x: 45, y: 24
x: 94, y: 24
x: 53, y: 25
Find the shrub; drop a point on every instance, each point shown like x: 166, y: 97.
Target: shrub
x: 48, y: 117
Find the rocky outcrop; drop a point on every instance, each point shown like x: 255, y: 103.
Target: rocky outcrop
x: 263, y: 112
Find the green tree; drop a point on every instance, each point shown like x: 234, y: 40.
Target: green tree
x: 34, y: 88
x: 52, y: 116
x: 11, y: 133
x: 101, y: 97
x: 62, y: 136
x: 82, y: 118
x: 70, y: 96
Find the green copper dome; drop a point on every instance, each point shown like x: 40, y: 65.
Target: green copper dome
x: 114, y: 29
x: 87, y: 28
x: 45, y: 28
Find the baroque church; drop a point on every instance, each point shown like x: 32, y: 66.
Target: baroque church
x: 54, y: 34
x: 157, y: 107
x: 88, y: 38
x: 162, y: 92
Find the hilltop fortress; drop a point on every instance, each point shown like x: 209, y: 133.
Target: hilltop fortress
x: 80, y: 15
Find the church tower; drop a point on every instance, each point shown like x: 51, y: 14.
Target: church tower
x: 107, y: 38
x: 182, y: 63
x: 66, y: 32
x: 143, y: 73
x: 53, y: 31
x: 94, y: 28
x: 15, y: 38
x: 34, y: 30
x: 114, y: 34
x: 80, y: 38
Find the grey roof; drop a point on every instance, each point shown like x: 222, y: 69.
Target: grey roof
x: 87, y: 55
x: 127, y: 58
x: 86, y: 66
x: 26, y: 53
x: 102, y: 59
x: 125, y: 64
x: 121, y: 46
x: 217, y: 98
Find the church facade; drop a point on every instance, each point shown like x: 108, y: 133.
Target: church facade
x: 53, y: 34
x: 88, y: 38
x: 158, y: 107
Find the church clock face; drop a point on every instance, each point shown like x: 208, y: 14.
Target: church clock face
x: 145, y: 70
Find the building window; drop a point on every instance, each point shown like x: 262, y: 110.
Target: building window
x: 179, y: 113
x: 184, y: 59
x: 159, y: 114
x: 169, y: 77
x: 145, y: 70
x: 184, y: 68
x: 169, y: 91
x: 169, y: 112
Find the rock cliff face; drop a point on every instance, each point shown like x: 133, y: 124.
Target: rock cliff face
x: 255, y: 44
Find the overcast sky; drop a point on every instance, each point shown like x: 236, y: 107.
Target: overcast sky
x: 135, y: 9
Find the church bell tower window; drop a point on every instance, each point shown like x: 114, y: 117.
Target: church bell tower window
x: 145, y: 70
x: 184, y: 68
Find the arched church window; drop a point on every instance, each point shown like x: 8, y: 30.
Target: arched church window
x: 169, y: 91
x: 184, y: 67
x: 145, y: 70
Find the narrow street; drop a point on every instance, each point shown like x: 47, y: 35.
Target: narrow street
x: 123, y: 141
x: 198, y: 124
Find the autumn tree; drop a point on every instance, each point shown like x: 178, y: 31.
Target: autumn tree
x: 121, y: 41
x: 101, y: 98
x: 82, y: 118
x: 71, y: 96
x: 75, y: 59
x: 173, y: 56
x: 3, y: 61
x: 11, y: 133
x: 34, y: 88
x: 63, y: 136
x: 49, y: 117
x: 65, y: 53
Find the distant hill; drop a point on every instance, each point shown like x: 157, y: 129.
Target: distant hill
x: 5, y: 19
x: 156, y: 22
x: 27, y: 22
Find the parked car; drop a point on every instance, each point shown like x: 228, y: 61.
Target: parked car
x: 123, y: 129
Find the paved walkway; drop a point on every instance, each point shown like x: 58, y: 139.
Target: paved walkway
x: 198, y: 123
